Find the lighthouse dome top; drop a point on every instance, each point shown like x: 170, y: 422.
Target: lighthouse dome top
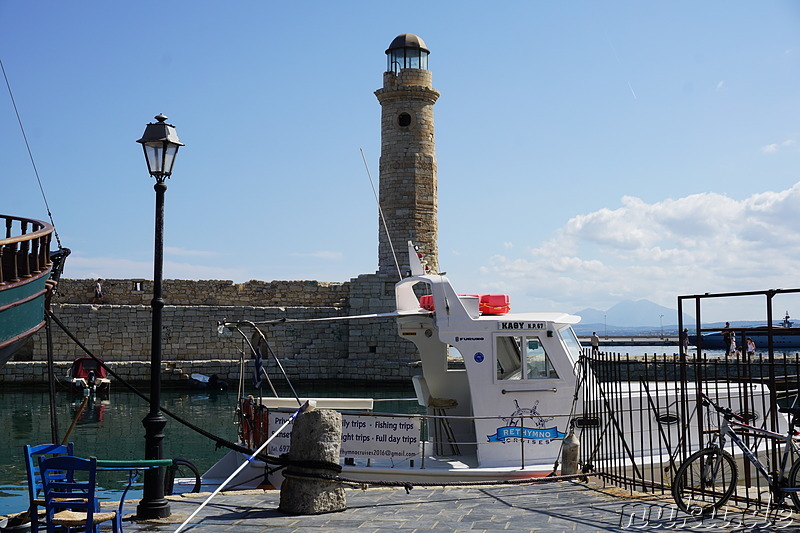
x: 408, y: 40
x: 406, y: 51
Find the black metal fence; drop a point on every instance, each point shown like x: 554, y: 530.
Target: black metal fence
x: 643, y: 416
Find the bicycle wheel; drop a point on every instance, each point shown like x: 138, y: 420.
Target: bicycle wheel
x: 705, y: 481
x: 183, y: 470
x: 794, y: 482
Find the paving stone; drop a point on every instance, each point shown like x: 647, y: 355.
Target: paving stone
x: 561, y: 507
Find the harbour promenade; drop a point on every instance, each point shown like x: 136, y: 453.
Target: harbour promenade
x: 551, y: 507
x: 632, y: 340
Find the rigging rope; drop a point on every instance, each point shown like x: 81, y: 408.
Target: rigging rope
x: 380, y: 211
x: 283, y: 460
x: 220, y: 442
x: 30, y: 154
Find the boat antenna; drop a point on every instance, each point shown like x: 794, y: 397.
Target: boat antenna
x: 380, y: 212
x: 30, y: 154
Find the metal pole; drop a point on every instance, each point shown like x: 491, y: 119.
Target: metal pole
x: 153, y: 503
x: 51, y: 378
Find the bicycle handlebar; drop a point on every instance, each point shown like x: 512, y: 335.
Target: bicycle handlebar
x: 724, y: 411
x: 794, y: 420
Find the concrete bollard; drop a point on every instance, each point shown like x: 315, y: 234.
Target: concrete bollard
x: 314, y: 449
x: 570, y: 450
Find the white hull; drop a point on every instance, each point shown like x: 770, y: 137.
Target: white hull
x: 435, y: 470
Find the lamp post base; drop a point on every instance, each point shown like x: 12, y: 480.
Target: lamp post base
x: 153, y: 503
x: 148, y: 510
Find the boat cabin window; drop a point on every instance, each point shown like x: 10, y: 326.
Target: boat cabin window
x: 574, y: 349
x: 522, y: 357
x: 453, y: 353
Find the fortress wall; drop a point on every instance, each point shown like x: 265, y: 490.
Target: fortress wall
x: 336, y: 350
x: 208, y: 292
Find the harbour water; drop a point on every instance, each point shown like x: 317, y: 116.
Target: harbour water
x: 113, y: 429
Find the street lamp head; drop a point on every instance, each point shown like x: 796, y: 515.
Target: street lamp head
x: 160, y: 143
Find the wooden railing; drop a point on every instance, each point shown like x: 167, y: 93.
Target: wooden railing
x: 25, y: 250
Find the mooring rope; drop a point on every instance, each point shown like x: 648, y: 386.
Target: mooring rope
x: 302, y: 408
x: 220, y: 442
x: 408, y: 485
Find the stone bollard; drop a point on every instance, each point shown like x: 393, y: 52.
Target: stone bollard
x: 316, y: 438
x: 570, y: 451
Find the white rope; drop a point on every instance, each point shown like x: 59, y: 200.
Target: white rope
x: 243, y: 465
x: 380, y: 212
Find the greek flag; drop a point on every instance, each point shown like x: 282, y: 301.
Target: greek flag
x: 258, y: 369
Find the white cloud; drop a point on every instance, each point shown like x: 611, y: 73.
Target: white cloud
x: 770, y: 149
x: 321, y: 254
x: 699, y: 243
x: 182, y: 252
x: 81, y: 267
x: 776, y: 147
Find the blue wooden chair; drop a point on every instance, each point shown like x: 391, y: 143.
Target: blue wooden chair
x: 32, y: 454
x: 69, y: 493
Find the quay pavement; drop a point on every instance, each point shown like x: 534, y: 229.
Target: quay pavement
x: 549, y: 507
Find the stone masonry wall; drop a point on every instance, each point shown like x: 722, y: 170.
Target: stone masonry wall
x: 208, y: 292
x: 120, y: 334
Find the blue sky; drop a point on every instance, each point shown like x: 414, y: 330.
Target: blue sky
x: 588, y: 152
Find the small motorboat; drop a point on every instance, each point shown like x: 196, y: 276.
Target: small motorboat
x: 89, y: 378
x: 201, y: 381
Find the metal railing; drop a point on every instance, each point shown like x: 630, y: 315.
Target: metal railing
x: 642, y: 415
x: 25, y: 250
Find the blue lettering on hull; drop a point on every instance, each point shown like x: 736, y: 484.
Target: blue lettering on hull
x: 509, y: 432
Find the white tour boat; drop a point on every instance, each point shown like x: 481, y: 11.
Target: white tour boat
x: 501, y: 415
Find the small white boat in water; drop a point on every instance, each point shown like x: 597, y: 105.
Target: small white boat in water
x: 88, y: 377
x: 501, y: 414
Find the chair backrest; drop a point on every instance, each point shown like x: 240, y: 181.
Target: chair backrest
x: 61, y: 475
x: 32, y: 454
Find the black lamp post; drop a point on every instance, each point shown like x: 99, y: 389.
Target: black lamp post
x: 160, y: 143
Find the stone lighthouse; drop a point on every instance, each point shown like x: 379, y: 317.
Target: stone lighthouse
x: 408, y: 188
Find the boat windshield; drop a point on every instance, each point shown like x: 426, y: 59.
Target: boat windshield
x: 523, y: 357
x: 571, y: 341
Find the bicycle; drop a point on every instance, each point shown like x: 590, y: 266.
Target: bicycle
x: 707, y: 479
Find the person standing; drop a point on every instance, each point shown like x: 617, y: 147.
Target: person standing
x: 727, y: 336
x: 98, y: 292
x: 751, y: 347
x: 685, y: 341
x: 595, y: 343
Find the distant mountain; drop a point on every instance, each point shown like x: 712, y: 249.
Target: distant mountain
x: 629, y: 314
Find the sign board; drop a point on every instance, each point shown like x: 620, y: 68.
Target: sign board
x: 363, y: 436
